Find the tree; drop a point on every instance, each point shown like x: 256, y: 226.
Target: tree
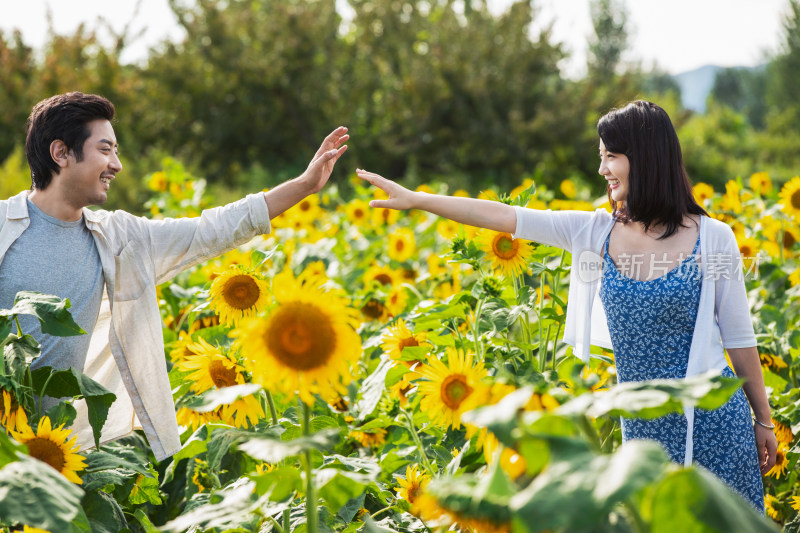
x: 610, y: 39
x: 783, y: 91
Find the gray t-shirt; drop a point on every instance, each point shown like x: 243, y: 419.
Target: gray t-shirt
x: 60, y: 258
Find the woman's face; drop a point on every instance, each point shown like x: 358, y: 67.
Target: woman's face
x: 615, y: 168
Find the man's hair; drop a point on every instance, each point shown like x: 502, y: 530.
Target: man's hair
x: 62, y: 117
x: 659, y: 190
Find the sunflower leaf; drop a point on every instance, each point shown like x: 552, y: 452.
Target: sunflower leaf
x: 273, y: 450
x: 213, y: 398
x: 651, y: 399
x: 19, y: 352
x: 52, y: 312
x: 34, y: 493
x: 372, y: 389
x: 73, y: 384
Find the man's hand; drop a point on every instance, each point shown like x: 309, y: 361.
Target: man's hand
x: 321, y: 166
x: 313, y: 179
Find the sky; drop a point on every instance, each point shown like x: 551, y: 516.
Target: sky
x: 675, y: 35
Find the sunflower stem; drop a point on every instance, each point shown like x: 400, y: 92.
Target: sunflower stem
x: 272, y: 411
x: 41, y: 395
x: 311, y: 497
x: 276, y: 525
x: 542, y: 342
x: 417, y: 441
x: 476, y: 329
x: 287, y: 520
x: 524, y: 320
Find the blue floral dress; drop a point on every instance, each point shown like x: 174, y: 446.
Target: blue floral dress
x: 651, y: 324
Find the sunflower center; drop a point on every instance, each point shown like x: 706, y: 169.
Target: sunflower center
x: 358, y: 213
x: 305, y: 205
x: 455, y: 390
x: 407, y: 342
x: 46, y: 451
x: 383, y: 279
x: 373, y: 309
x: 399, y: 245
x: 301, y: 336
x: 241, y: 292
x: 788, y: 239
x: 795, y: 199
x: 413, y: 490
x: 221, y: 375
x: 505, y: 247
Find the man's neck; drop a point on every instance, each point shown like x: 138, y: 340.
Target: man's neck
x: 52, y: 203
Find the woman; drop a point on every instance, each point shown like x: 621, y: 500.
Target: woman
x: 658, y: 281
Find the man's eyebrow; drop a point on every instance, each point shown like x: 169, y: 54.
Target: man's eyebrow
x: 110, y: 143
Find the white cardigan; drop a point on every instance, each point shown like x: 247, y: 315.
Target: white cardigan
x: 723, y: 315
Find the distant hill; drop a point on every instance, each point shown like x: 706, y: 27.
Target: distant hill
x: 697, y: 84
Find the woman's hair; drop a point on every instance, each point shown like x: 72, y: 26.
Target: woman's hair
x: 659, y: 191
x: 63, y: 117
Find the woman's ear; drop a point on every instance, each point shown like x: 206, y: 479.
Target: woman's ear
x: 59, y: 153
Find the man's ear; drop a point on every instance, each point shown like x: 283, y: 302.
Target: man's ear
x: 59, y: 153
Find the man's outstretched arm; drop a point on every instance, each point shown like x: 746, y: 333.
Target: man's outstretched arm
x: 313, y: 179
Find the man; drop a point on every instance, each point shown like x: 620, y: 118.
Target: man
x: 109, y: 263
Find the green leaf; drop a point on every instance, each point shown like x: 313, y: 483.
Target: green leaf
x: 370, y: 526
x: 337, y: 487
x: 442, y: 340
x: 349, y: 510
x: 72, y: 383
x: 145, y: 522
x: 34, y: 493
x: 51, y: 311
x: 278, y: 484
x: 655, y: 398
x: 117, y: 459
x: 5, y: 327
x: 9, y: 450
x: 395, y: 374
x: 103, y: 512
x: 414, y: 353
x: 273, y: 450
x: 593, y: 484
x: 213, y: 398
x: 20, y: 352
x: 501, y: 418
x: 62, y: 413
x: 372, y: 389
x: 145, y: 489
x: 694, y: 500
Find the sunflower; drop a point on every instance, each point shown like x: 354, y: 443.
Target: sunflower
x: 790, y: 197
x: 397, y: 337
x: 208, y: 321
x: 516, y: 191
x: 9, y: 409
x: 181, y: 349
x: 236, y: 294
x: 210, y: 368
x: 401, y: 244
x: 769, y: 501
x: 357, y: 212
x: 795, y: 503
x: 452, y: 389
x: 511, y: 462
x: 29, y: 529
x: 50, y: 445
x: 158, y: 181
x: 374, y: 309
x: 412, y: 486
x: 781, y: 462
x: 396, y: 300
x: 783, y: 433
x: 447, y: 228
x: 568, y: 189
x: 794, y: 278
x: 373, y: 438
x: 772, y: 361
x: 791, y: 236
x: 381, y: 274
x: 402, y: 388
x: 306, y: 344
x: 192, y: 419
x: 732, y: 199
x: 760, y: 183
x: 506, y: 254
x: 702, y: 192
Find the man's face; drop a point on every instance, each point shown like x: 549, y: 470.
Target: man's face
x: 86, y: 182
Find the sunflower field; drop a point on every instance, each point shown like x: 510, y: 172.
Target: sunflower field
x: 371, y: 370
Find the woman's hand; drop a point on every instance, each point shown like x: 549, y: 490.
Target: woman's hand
x: 767, y: 446
x: 399, y: 196
x: 321, y: 165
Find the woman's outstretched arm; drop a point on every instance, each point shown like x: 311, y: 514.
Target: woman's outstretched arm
x: 479, y: 213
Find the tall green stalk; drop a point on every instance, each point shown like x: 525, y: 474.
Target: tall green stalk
x: 311, y: 496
